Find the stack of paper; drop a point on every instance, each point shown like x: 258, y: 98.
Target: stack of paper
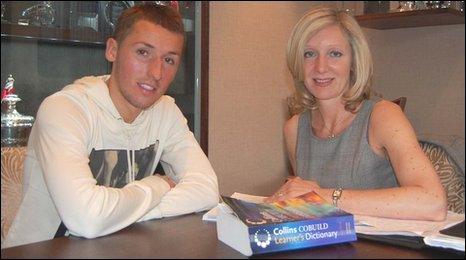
x: 427, y: 229
x: 388, y: 226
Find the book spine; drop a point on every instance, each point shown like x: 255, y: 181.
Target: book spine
x: 301, y: 234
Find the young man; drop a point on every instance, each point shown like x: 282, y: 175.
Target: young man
x: 95, y: 145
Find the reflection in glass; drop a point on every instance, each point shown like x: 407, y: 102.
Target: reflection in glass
x: 406, y: 6
x: 41, y: 14
x: 90, y: 20
x: 3, y: 10
x: 113, y: 9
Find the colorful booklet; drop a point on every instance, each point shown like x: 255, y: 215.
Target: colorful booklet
x: 301, y: 222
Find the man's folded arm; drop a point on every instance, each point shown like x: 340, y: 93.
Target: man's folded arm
x: 87, y: 209
x: 184, y: 161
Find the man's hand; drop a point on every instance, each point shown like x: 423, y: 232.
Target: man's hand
x: 168, y: 180
x: 293, y: 187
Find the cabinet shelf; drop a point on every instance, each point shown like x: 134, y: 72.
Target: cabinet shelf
x: 53, y: 34
x: 79, y: 35
x: 416, y: 18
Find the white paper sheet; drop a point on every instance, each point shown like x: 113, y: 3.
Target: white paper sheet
x: 211, y: 215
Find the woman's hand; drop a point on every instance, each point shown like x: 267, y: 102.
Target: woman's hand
x: 293, y: 187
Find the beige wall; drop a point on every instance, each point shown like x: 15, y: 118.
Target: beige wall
x: 425, y: 64
x: 249, y: 80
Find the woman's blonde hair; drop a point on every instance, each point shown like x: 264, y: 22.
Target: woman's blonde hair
x: 361, y: 65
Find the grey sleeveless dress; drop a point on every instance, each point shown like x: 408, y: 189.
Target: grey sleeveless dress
x: 346, y: 161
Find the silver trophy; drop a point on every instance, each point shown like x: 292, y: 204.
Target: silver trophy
x: 15, y: 126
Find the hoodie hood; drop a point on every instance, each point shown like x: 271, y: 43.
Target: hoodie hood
x: 96, y: 88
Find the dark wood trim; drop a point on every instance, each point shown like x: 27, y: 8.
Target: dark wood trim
x: 205, y: 77
x: 416, y: 18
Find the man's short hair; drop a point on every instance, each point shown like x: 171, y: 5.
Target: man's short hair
x: 164, y: 16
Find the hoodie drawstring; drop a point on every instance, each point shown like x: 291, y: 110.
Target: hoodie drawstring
x: 133, y: 164
x: 130, y: 165
x: 130, y: 157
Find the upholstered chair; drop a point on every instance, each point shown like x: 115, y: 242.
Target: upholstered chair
x: 12, y: 184
x: 451, y: 175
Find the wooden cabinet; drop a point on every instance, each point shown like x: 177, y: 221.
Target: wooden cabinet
x: 416, y: 18
x: 47, y: 45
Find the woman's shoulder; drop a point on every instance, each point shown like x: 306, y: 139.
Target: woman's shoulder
x: 386, y: 116
x: 294, y: 119
x: 291, y: 125
x: 385, y: 108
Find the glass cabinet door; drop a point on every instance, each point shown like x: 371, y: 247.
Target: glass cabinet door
x: 46, y: 45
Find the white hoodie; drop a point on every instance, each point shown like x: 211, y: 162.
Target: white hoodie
x: 82, y: 161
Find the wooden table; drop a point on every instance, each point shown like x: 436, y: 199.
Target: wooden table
x: 189, y: 237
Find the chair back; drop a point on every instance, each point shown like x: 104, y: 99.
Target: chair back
x: 401, y: 101
x: 12, y: 185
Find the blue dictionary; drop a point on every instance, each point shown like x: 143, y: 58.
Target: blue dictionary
x: 302, y: 222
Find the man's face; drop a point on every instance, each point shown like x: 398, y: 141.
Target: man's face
x: 144, y: 65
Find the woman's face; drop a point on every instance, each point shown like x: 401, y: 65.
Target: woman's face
x: 327, y: 64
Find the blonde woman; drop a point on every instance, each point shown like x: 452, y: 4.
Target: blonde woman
x: 357, y: 151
